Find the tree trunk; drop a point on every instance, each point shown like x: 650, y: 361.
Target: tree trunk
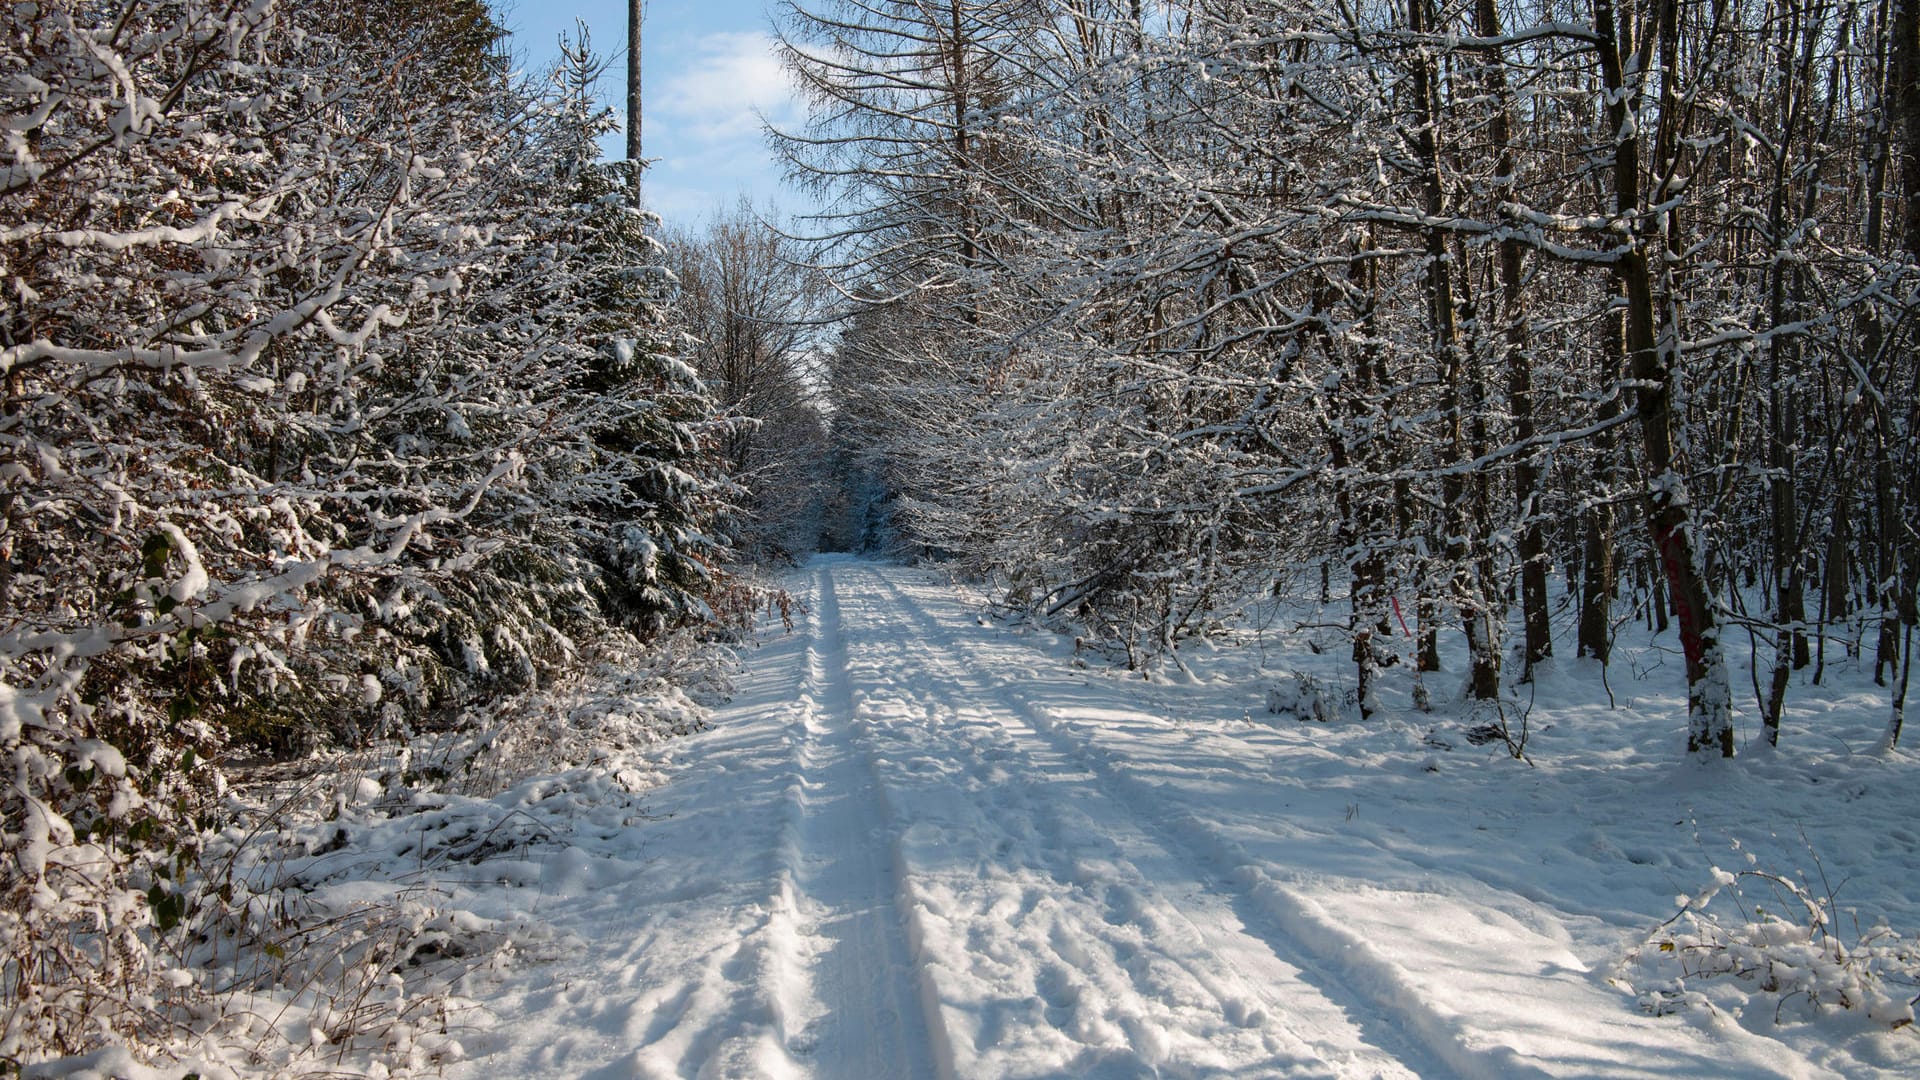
x: 1783, y: 356
x: 1483, y: 652
x: 1530, y: 541
x: 1598, y: 572
x: 1836, y: 574
x: 636, y: 14
x: 1360, y: 516
x: 1651, y: 350
x: 1897, y: 554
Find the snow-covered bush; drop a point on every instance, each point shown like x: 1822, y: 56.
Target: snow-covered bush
x: 1302, y: 697
x: 1777, y: 938
x: 606, y: 717
x: 330, y: 365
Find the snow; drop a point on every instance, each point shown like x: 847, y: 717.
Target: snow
x: 193, y: 581
x: 916, y: 844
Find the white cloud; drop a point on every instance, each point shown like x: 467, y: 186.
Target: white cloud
x: 721, y: 90
x: 688, y: 186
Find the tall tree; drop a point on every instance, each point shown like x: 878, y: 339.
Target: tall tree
x: 1653, y: 339
x: 378, y: 382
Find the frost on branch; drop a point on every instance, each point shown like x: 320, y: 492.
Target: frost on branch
x: 315, y: 430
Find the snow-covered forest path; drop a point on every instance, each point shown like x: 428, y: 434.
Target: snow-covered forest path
x: 1054, y: 928
x: 917, y: 845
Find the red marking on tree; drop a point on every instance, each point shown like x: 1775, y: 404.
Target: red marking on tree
x: 1668, y: 541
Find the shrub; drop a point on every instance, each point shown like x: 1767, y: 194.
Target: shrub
x: 1782, y: 940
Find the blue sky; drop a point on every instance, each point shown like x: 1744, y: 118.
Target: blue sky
x: 708, y: 68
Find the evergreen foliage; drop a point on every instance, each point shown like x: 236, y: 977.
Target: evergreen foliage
x: 339, y: 393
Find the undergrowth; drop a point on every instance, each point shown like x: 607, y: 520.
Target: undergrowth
x: 1781, y: 940
x: 264, y: 921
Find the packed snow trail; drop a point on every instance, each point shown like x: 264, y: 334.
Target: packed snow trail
x: 867, y: 1019
x: 915, y: 845
x: 1140, y: 962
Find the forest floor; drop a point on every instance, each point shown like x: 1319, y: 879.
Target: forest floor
x: 922, y: 843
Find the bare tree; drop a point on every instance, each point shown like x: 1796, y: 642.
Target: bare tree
x: 755, y: 311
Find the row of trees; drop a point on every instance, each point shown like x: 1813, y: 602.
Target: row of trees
x: 1449, y: 294
x: 765, y: 325
x: 753, y: 309
x: 340, y: 390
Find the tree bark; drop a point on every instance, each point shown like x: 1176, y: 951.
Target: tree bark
x: 636, y: 14
x: 1783, y: 355
x: 1530, y: 541
x: 1898, y: 554
x: 1360, y: 516
x: 1651, y: 344
x: 1469, y: 592
x: 1598, y: 570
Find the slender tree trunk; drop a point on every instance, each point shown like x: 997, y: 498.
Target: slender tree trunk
x: 1651, y: 350
x: 1886, y: 656
x: 1601, y: 570
x: 1483, y: 651
x: 1897, y: 555
x: 1363, y: 594
x: 1598, y: 572
x: 636, y: 15
x: 1426, y: 610
x: 1837, y: 573
x: 1789, y: 562
x: 1530, y: 541
x: 1659, y: 610
x: 1360, y: 516
x: 1897, y: 714
x: 962, y: 92
x: 1903, y: 102
x: 1886, y: 62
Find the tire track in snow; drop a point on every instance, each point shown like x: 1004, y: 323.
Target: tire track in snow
x: 864, y: 1015
x: 1294, y: 923
x: 687, y: 962
x: 1339, y: 964
x: 1223, y: 942
x: 1019, y: 974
